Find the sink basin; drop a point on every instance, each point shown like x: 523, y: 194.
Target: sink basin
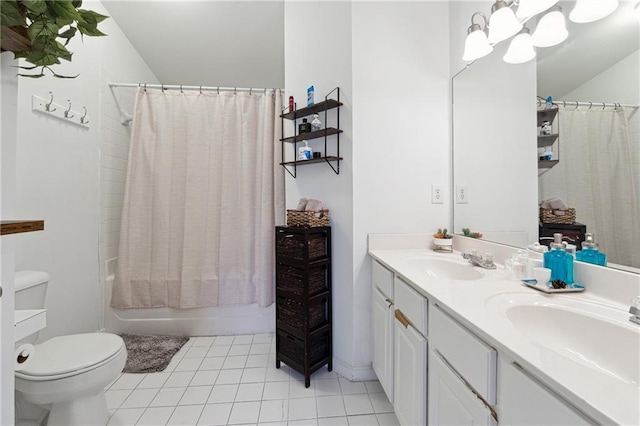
x: 596, y: 336
x: 440, y: 268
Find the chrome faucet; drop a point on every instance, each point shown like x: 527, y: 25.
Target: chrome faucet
x: 634, y: 310
x: 482, y: 260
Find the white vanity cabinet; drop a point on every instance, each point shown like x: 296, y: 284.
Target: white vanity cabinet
x: 462, y: 374
x: 410, y: 355
x: 383, y: 322
x: 524, y: 400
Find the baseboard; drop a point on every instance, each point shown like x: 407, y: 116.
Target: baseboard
x: 355, y: 373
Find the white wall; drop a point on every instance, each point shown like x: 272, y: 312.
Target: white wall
x: 8, y: 120
x: 58, y: 175
x: 393, y: 71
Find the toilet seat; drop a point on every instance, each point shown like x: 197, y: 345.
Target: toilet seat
x: 66, y: 356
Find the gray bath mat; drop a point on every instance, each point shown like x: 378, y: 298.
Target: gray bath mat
x: 150, y: 354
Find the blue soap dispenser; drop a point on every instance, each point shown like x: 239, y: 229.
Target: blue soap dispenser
x: 559, y: 261
x: 590, y: 252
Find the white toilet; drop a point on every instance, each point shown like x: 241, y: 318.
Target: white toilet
x: 66, y: 375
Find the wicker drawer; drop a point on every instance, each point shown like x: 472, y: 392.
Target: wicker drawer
x: 302, y: 281
x: 302, y: 246
x: 297, y: 315
x: 293, y: 348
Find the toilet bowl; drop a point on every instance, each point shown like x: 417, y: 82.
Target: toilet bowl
x: 67, y: 376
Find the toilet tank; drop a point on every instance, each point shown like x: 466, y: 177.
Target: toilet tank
x: 31, y: 289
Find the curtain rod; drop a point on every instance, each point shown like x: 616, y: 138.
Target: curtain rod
x: 589, y: 104
x: 198, y: 88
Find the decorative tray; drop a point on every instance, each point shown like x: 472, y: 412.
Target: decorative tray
x: 571, y: 288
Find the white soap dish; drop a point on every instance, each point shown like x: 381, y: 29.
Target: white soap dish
x: 571, y: 288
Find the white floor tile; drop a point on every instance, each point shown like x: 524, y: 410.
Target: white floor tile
x: 125, y: 417
x: 330, y: 406
x: 139, y: 398
x: 306, y: 422
x: 302, y: 408
x: 179, y: 379
x: 154, y: 380
x: 223, y: 393
x: 155, y: 416
x: 272, y: 424
x: 115, y: 398
x: 197, y: 352
x: 215, y: 414
x: 245, y: 339
x: 261, y: 360
x: 223, y: 341
x: 323, y: 373
x: 167, y: 397
x: 366, y: 420
x: 388, y: 419
x: 349, y: 387
x: 373, y: 386
x: 204, y: 378
x: 237, y: 361
x: 263, y: 338
x: 358, y: 404
x: 281, y: 374
x: 239, y: 349
x: 188, y: 364
x: 203, y: 341
x: 172, y: 364
x: 113, y: 381
x: 297, y: 390
x: 327, y: 387
x: 221, y: 350
x: 274, y: 411
x: 380, y: 403
x: 195, y: 395
x: 227, y: 377
x: 333, y: 421
x: 275, y: 390
x: 185, y: 415
x: 212, y: 363
x: 250, y: 392
x: 260, y: 348
x: 244, y: 412
x: 127, y: 381
x: 253, y: 375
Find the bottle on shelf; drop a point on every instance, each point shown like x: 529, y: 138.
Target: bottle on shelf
x: 545, y: 129
x: 316, y: 124
x: 559, y: 261
x: 304, y: 127
x: 292, y: 105
x: 590, y: 252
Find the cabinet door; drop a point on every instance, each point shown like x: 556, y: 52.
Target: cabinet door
x: 451, y: 401
x: 382, y: 321
x: 410, y: 375
x: 524, y: 401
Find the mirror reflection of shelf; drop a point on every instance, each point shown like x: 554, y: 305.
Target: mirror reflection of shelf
x: 547, y: 164
x: 547, y: 140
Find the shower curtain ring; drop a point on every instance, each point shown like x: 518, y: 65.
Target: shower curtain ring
x: 564, y: 104
x: 590, y: 105
x: 235, y: 90
x: 576, y: 104
x: 145, y: 87
x: 201, y: 90
x: 250, y: 89
x: 604, y: 106
x: 181, y: 89
x: 218, y: 89
x: 162, y: 87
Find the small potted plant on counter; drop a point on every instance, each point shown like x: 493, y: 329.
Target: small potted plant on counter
x: 443, y: 241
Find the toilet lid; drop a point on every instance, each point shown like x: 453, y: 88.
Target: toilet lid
x: 66, y: 354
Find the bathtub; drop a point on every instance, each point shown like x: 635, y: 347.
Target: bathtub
x: 214, y: 321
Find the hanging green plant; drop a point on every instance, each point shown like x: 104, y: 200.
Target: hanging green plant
x: 35, y: 30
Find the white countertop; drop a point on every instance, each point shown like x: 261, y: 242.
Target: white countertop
x: 603, y: 397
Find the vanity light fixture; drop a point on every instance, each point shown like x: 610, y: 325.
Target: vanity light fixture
x: 528, y: 8
x: 551, y: 29
x: 521, y: 48
x: 592, y: 10
x: 502, y: 22
x: 476, y: 44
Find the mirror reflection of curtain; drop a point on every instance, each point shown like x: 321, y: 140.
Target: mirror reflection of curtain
x: 203, y: 193
x: 595, y: 176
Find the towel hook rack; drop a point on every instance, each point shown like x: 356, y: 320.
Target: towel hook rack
x: 68, y: 110
x: 82, y: 119
x: 47, y: 107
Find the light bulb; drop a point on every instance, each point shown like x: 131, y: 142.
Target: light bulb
x: 502, y: 23
x: 592, y: 10
x: 551, y: 30
x: 520, y: 49
x: 476, y: 45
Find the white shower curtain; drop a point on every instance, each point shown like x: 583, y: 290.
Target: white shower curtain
x: 595, y: 176
x: 203, y: 193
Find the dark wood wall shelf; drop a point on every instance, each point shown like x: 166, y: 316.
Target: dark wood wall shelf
x: 321, y: 107
x: 20, y: 226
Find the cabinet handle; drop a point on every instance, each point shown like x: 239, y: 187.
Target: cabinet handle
x: 400, y: 317
x: 390, y: 302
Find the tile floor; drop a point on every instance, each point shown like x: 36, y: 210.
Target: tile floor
x: 232, y: 380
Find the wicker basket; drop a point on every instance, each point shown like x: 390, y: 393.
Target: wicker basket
x: 547, y: 216
x: 308, y: 218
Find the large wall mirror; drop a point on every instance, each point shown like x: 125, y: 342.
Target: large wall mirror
x: 495, y: 138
